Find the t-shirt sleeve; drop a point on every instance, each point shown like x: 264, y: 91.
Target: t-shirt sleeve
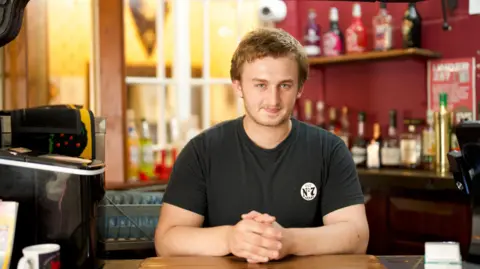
x: 341, y: 187
x: 186, y: 187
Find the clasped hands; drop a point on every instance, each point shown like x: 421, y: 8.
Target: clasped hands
x: 258, y: 238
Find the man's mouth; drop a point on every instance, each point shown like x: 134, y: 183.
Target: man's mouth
x: 272, y: 110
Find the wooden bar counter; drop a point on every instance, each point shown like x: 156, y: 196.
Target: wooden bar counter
x: 312, y: 262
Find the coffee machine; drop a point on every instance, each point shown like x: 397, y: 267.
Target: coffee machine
x: 465, y: 167
x: 49, y: 165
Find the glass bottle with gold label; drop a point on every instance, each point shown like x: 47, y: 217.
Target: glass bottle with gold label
x: 442, y: 123
x: 345, y: 126
x: 307, y: 106
x: 411, y: 146
x: 390, y: 149
x: 428, y: 143
x: 373, y: 148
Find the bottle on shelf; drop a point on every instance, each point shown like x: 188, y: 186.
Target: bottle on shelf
x: 411, y: 145
x: 333, y: 40
x: 390, y: 151
x: 307, y: 106
x: 355, y: 35
x: 454, y: 145
x: 345, y: 126
x: 333, y: 124
x: 428, y: 143
x: 374, y: 159
x: 382, y: 29
x: 359, y: 146
x: 147, y: 160
x: 320, y: 116
x: 312, y: 36
x: 133, y: 144
x: 412, y: 27
x: 443, y: 125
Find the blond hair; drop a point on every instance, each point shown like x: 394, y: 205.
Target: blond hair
x: 268, y: 42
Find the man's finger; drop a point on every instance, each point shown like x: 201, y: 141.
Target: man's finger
x: 250, y: 215
x: 265, y: 218
x: 263, y: 241
x: 262, y: 229
x: 254, y: 252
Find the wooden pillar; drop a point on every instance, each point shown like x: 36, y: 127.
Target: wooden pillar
x: 109, y: 66
x: 15, y: 66
x: 37, y: 51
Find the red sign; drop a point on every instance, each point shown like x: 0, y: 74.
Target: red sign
x: 456, y: 77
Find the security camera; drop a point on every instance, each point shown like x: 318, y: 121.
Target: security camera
x: 272, y: 10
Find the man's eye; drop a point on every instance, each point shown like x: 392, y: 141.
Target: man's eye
x: 260, y: 85
x: 286, y: 86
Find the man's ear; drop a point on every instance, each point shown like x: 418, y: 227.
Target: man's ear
x: 300, y: 91
x: 237, y: 87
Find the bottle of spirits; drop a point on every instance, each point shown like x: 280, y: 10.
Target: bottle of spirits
x: 133, y: 142
x: 428, y: 145
x: 374, y: 159
x: 333, y: 40
x: 308, y: 111
x: 359, y: 147
x: 443, y: 125
x: 320, y: 117
x: 412, y: 27
x: 391, y: 146
x: 345, y: 126
x: 382, y: 29
x: 312, y: 35
x: 147, y: 163
x: 333, y: 124
x: 411, y: 146
x: 355, y: 35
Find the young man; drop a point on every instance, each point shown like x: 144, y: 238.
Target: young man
x: 265, y: 185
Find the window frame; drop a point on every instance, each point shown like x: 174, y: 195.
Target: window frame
x: 181, y: 79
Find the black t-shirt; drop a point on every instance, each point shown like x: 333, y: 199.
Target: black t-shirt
x: 222, y: 174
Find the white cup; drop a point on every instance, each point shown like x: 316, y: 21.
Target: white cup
x: 44, y: 256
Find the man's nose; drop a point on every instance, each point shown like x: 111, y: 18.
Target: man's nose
x: 273, y: 96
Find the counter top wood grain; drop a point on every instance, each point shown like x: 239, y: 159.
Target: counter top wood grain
x: 312, y: 262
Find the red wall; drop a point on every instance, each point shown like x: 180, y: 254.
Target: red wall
x: 377, y: 87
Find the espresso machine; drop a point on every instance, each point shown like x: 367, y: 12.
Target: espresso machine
x: 465, y: 167
x: 50, y: 166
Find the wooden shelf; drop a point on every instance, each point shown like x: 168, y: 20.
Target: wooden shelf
x: 374, y: 56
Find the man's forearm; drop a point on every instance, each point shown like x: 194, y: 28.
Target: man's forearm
x: 340, y: 238
x: 192, y: 241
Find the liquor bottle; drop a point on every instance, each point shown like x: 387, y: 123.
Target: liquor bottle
x: 411, y: 145
x: 428, y: 145
x: 147, y: 160
x: 133, y: 142
x: 308, y: 111
x: 412, y: 27
x: 355, y: 35
x: 333, y: 40
x: 333, y: 124
x: 312, y: 35
x: 345, y: 126
x: 359, y: 146
x: 320, y: 117
x: 442, y: 123
x: 454, y: 145
x: 391, y: 147
x: 374, y: 159
x: 382, y: 29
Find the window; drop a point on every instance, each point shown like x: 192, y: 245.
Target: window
x: 184, y: 73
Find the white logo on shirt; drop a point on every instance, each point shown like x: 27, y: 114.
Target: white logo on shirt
x: 308, y: 191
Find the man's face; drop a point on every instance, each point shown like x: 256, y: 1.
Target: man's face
x: 269, y: 88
